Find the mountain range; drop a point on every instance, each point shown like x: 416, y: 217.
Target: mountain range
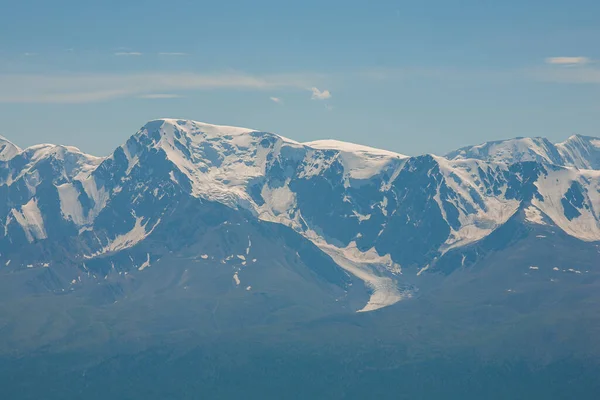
x: 265, y: 228
x: 197, y: 253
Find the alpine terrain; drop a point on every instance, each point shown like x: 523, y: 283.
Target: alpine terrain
x: 198, y: 233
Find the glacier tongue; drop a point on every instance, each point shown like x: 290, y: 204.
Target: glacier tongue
x: 369, y: 267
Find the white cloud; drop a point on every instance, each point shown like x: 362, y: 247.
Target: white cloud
x: 174, y: 54
x: 159, y: 96
x: 128, y: 53
x: 567, y: 60
x: 276, y: 100
x: 86, y: 88
x: 320, y: 95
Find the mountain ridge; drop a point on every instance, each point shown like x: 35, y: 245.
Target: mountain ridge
x: 381, y: 216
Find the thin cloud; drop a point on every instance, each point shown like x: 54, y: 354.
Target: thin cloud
x: 567, y: 60
x: 29, y: 54
x: 86, y: 88
x: 320, y: 95
x: 276, y: 100
x: 172, y: 54
x: 127, y: 53
x: 159, y: 96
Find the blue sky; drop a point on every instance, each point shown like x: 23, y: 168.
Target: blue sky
x: 409, y: 76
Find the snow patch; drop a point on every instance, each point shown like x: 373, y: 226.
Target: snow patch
x: 425, y: 268
x: 146, y: 263
x: 279, y: 199
x: 534, y: 215
x: 553, y: 188
x: 361, y: 217
x: 69, y: 204
x: 99, y: 195
x: 31, y: 220
x: 129, y: 239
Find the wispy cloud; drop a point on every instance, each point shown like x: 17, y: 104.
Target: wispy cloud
x: 173, y: 54
x: 127, y: 53
x: 29, y: 54
x: 276, y: 100
x: 159, y: 96
x: 85, y: 88
x: 586, y: 71
x: 567, y: 60
x: 320, y: 95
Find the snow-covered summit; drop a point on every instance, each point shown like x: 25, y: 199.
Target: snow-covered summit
x: 217, y: 161
x: 195, y: 127
x: 511, y: 151
x: 577, y: 151
x: 351, y: 148
x: 360, y: 162
x: 7, y: 149
x: 56, y: 162
x: 220, y: 162
x: 582, y: 152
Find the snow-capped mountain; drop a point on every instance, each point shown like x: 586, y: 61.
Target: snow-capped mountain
x: 577, y: 151
x: 7, y: 149
x: 379, y: 217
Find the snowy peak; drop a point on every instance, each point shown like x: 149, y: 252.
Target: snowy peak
x: 578, y: 151
x: 352, y: 148
x: 171, y: 129
x: 217, y: 162
x: 7, y: 149
x: 360, y: 162
x: 511, y: 151
x: 73, y: 158
x: 221, y: 162
x: 58, y: 164
x: 582, y: 152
